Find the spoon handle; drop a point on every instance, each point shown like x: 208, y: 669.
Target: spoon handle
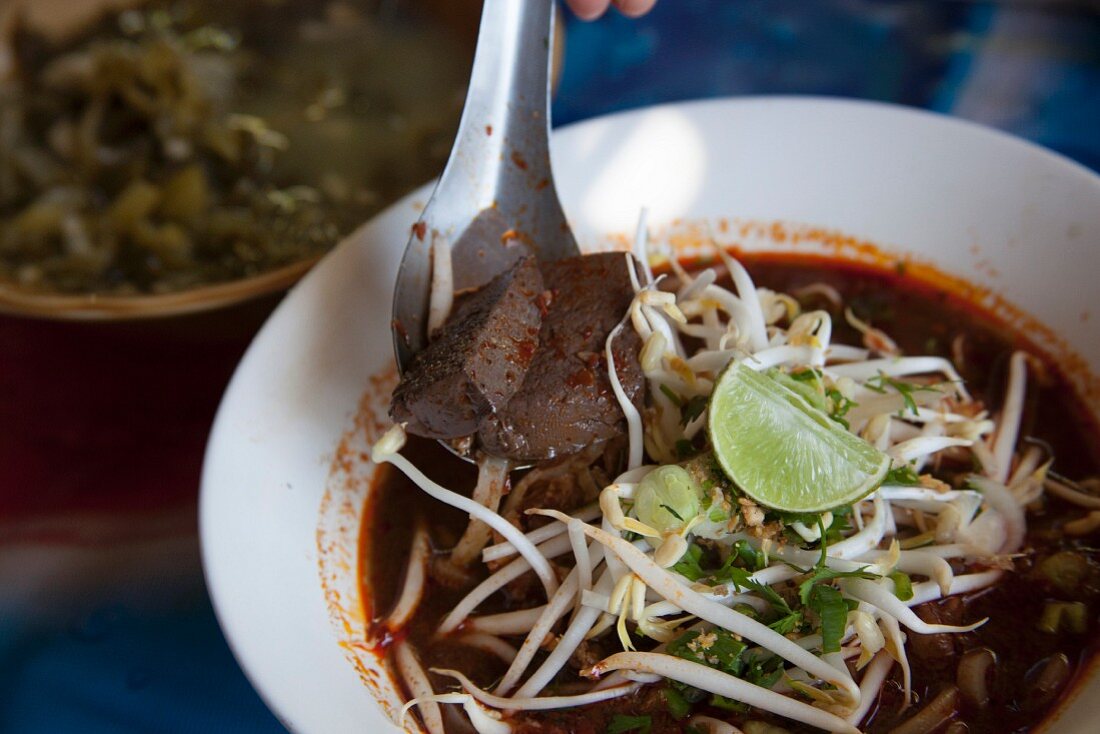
x: 495, y: 201
x: 503, y: 138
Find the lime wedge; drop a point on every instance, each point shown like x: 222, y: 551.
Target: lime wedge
x: 784, y: 453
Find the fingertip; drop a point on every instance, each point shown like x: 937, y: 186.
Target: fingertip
x: 588, y: 9
x: 634, y: 8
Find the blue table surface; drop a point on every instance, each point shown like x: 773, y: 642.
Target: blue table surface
x: 152, y: 659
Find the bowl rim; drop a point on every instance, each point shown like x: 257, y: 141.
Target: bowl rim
x: 222, y: 600
x: 18, y: 301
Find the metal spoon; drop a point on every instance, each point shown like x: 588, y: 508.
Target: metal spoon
x: 496, y: 200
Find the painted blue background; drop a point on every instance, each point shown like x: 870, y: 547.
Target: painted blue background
x: 102, y: 666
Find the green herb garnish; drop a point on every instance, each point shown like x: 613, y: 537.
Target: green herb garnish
x: 903, y: 585
x: 880, y: 382
x: 621, y: 724
x: 678, y: 706
x: 833, y: 612
x: 693, y: 408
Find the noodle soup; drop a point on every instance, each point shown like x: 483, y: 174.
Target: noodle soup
x: 957, y: 595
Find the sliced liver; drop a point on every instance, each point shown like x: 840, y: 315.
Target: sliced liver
x: 477, y: 361
x: 566, y: 401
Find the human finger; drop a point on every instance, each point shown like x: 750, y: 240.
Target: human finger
x: 634, y: 8
x: 588, y: 9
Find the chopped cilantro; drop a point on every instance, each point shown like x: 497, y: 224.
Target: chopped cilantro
x: 747, y: 609
x: 833, y: 613
x: 880, y: 382
x: 750, y: 557
x: 669, y: 393
x: 903, y: 585
x: 621, y: 724
x: 808, y: 374
x: 812, y: 393
x: 839, y: 525
x: 823, y: 534
x: 678, y: 706
x: 787, y: 624
x: 742, y: 579
x: 839, y: 406
x: 721, y: 650
x: 688, y: 565
x: 808, y: 519
x: 903, y: 475
x: 693, y: 408
x: 821, y: 575
x: 727, y: 704
x: 717, y: 649
x: 763, y: 671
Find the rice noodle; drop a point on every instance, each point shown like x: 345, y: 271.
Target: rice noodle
x: 895, y: 647
x: 711, y: 725
x: 581, y: 555
x: 483, y: 721
x: 902, y: 367
x: 962, y: 584
x: 538, y: 535
x: 747, y: 291
x: 490, y: 644
x: 557, y: 606
x: 386, y: 450
x: 723, y: 684
x: 416, y: 680
x: 1069, y: 494
x: 506, y: 623
x: 1009, y: 425
x: 412, y: 590
x: 550, y: 549
x: 1001, y: 500
x: 492, y: 474
x: 641, y: 246
x: 933, y: 715
x: 633, y: 419
x: 537, y: 704
x: 570, y: 640
x: 874, y: 675
x: 882, y: 598
x: 919, y: 562
x: 694, y: 286
x: 442, y: 294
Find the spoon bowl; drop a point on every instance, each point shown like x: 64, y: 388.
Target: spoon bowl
x: 496, y: 200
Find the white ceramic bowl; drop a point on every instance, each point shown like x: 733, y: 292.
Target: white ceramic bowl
x: 284, y: 485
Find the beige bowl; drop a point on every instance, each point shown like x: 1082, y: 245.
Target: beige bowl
x: 21, y: 301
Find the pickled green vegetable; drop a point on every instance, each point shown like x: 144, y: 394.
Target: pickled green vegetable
x: 189, y: 142
x: 1062, y: 616
x: 1065, y: 570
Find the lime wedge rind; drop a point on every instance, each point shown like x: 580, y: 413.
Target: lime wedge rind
x: 784, y: 453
